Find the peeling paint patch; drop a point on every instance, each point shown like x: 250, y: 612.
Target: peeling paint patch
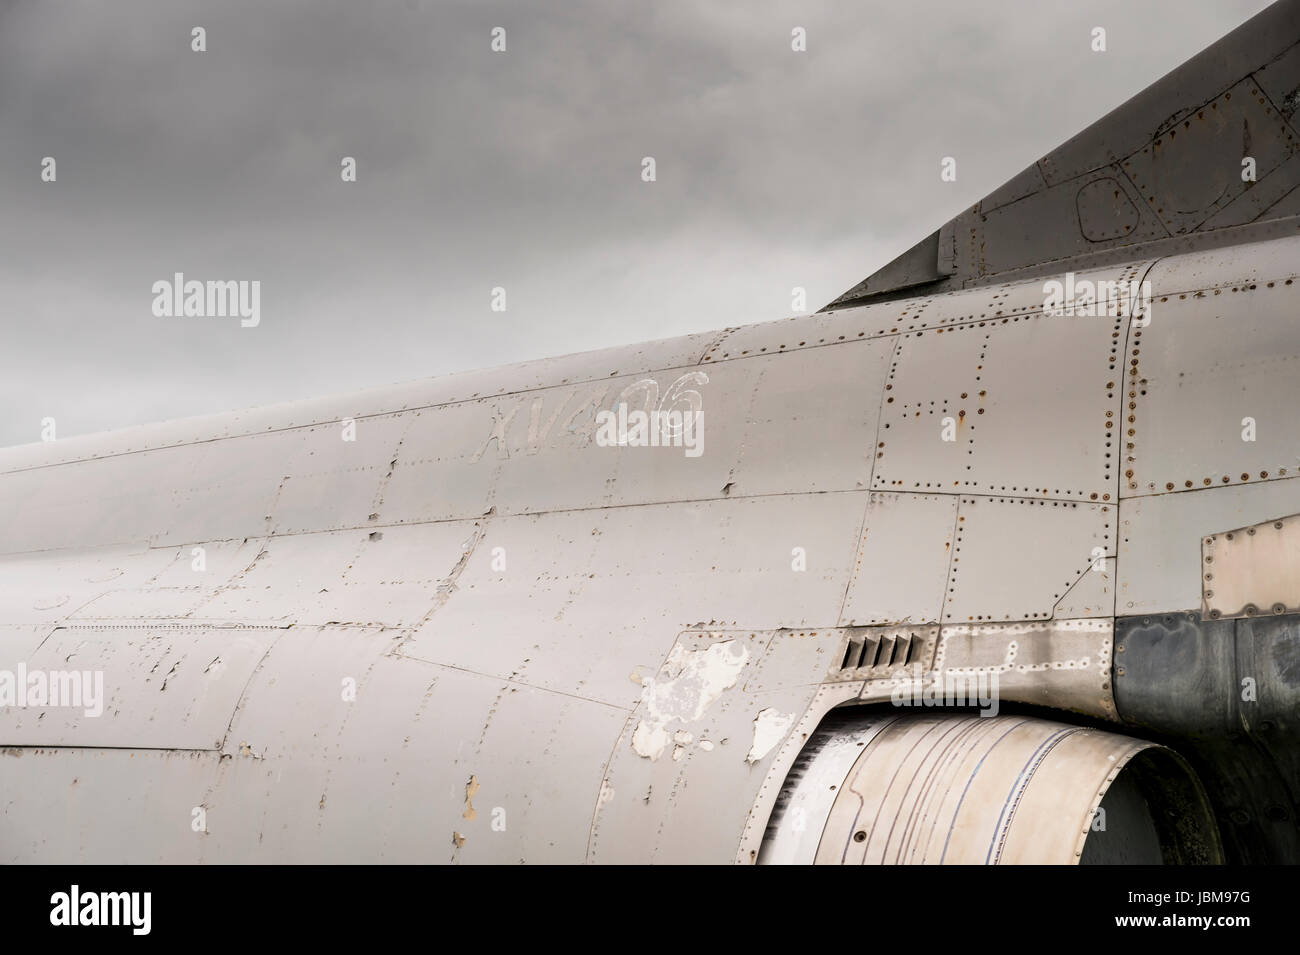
x: 471, y: 788
x: 688, y: 684
x: 770, y: 727
x: 649, y: 740
x: 457, y: 839
x: 246, y: 749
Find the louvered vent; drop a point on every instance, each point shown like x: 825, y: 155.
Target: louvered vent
x: 873, y: 652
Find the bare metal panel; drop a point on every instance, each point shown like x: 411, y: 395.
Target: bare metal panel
x: 1014, y: 558
x: 1160, y: 539
x: 1064, y: 663
x: 901, y: 570
x: 1252, y: 570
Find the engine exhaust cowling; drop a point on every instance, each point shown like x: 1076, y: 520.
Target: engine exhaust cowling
x: 873, y: 788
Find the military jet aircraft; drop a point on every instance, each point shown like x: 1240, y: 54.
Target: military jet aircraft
x: 993, y: 560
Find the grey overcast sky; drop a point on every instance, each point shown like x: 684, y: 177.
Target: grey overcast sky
x: 477, y: 169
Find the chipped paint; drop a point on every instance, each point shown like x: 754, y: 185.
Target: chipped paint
x: 770, y: 727
x: 471, y: 788
x: 689, y: 683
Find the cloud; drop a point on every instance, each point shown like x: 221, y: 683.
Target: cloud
x: 775, y: 169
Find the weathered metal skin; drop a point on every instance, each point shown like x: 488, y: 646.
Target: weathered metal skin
x: 448, y: 622
x: 614, y: 648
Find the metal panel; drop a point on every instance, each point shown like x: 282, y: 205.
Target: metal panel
x: 1015, y: 558
x: 555, y: 433
x: 388, y: 578
x: 1252, y: 570
x: 52, y: 585
x: 157, y: 687
x: 1063, y: 664
x: 902, y: 566
x: 187, y: 579
x: 1213, y: 380
x: 228, y: 492
x: 816, y: 330
x: 1160, y: 539
x: 630, y: 580
x: 1023, y: 406
x: 1250, y: 264
x: 1193, y: 169
x: 422, y: 764
x: 118, y: 806
x: 332, y: 483
x: 812, y: 421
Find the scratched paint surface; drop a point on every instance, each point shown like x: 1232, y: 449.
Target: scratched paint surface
x: 501, y: 594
